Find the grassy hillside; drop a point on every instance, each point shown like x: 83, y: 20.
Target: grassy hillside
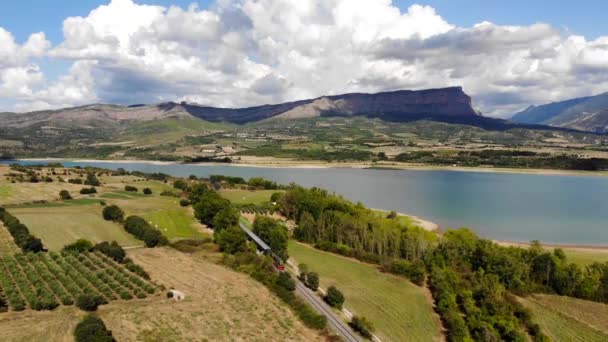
x: 247, y: 196
x: 399, y: 310
x: 569, y: 319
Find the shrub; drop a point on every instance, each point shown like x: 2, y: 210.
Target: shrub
x: 92, y: 180
x: 139, y: 228
x: 89, y: 302
x: 147, y: 191
x: 312, y: 281
x: 130, y: 188
x: 65, y: 195
x: 334, y: 297
x: 184, y: 202
x: 92, y: 329
x: 80, y: 246
x: 113, y: 213
x: 362, y: 326
x: 113, y: 250
x: 180, y: 184
x: 275, y: 197
x: 88, y: 191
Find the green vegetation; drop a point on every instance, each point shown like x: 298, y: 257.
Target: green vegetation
x: 374, y: 294
x: 42, y: 281
x: 142, y: 230
x: 113, y: 213
x: 584, y: 257
x: 92, y: 329
x: 273, y: 233
x: 247, y: 196
x: 334, y: 297
x: 173, y: 223
x: 62, y: 225
x: 20, y: 233
x: 563, y: 325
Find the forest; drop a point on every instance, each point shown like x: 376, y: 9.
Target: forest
x: 475, y: 282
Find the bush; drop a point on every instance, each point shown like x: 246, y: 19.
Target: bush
x: 80, y: 246
x: 180, y: 184
x: 414, y: 271
x: 139, y: 228
x: 275, y: 197
x: 312, y: 280
x: 130, y: 188
x: 92, y: 329
x: 113, y: 250
x: 184, y: 202
x: 147, y: 191
x: 88, y: 191
x: 65, y: 195
x: 113, y: 213
x: 92, y: 180
x: 89, y: 302
x: 334, y: 297
x: 362, y: 326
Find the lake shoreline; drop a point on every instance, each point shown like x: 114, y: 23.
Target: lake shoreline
x: 293, y: 164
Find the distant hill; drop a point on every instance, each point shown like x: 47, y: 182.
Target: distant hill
x: 585, y: 114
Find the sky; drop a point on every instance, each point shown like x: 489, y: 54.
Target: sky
x: 506, y: 54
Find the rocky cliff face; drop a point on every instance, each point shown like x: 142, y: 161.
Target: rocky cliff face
x: 399, y: 105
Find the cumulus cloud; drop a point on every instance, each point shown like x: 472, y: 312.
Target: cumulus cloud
x: 250, y: 52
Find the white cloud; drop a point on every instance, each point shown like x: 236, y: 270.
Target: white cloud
x: 248, y: 52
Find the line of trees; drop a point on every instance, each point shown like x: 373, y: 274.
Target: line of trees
x: 21, y: 234
x: 474, y: 281
x: 142, y: 230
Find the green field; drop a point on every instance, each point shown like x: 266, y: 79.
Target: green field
x: 4, y: 191
x: 586, y: 257
x: 58, y: 226
x: 247, y: 196
x: 569, y: 319
x: 68, y: 203
x: 399, y: 310
x: 172, y: 220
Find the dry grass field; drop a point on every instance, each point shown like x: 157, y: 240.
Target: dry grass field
x: 221, y: 305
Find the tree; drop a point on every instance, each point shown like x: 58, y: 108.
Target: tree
x: 180, y: 184
x: 276, y: 196
x: 312, y: 280
x: 147, y: 191
x: 92, y: 180
x: 184, y: 202
x: 232, y: 240
x: 112, y: 250
x: 80, y: 246
x: 130, y: 188
x: 227, y: 217
x: 65, y: 195
x: 113, y: 213
x: 89, y: 301
x: 273, y: 233
x: 92, y: 329
x: 334, y: 297
x: 209, y: 204
x: 362, y: 326
x: 284, y: 280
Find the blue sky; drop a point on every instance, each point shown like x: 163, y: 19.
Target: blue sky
x: 270, y: 51
x: 583, y: 17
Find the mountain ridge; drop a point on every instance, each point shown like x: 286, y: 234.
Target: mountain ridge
x: 588, y: 113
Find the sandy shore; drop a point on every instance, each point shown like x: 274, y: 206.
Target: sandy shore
x: 568, y: 246
x: 269, y: 162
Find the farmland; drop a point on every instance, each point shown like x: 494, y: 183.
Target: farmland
x: 569, y: 319
x: 221, y: 305
x: 59, y: 226
x: 373, y: 294
x: 247, y: 196
x: 43, y: 281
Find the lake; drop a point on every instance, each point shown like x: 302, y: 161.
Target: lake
x: 506, y: 206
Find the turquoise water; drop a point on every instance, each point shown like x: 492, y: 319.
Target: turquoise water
x: 517, y: 207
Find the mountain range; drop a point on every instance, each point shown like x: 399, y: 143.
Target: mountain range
x: 585, y: 114
x: 450, y: 105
